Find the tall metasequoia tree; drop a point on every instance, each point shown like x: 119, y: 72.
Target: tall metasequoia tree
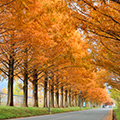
x: 45, y: 88
x: 10, y: 78
x: 37, y: 75
x: 75, y: 98
x: 69, y: 97
x: 66, y: 101
x: 79, y: 100
x: 7, y: 46
x: 25, y: 87
x: 35, y: 88
x: 10, y: 61
x: 52, y: 90
x: 57, y: 91
x: 61, y: 105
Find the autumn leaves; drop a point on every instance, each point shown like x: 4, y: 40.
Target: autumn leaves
x: 41, y: 39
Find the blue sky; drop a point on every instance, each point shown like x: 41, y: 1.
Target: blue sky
x: 3, y: 84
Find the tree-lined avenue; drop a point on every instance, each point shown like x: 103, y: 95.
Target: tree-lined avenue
x: 69, y: 48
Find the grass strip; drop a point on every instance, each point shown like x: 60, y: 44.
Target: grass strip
x: 117, y: 113
x: 7, y: 112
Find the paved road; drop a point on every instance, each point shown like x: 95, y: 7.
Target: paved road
x: 94, y: 114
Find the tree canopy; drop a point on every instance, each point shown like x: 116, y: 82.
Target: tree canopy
x: 75, y: 43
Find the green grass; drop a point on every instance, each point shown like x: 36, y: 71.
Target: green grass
x: 117, y: 112
x: 16, y: 112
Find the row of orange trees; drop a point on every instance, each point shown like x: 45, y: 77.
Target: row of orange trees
x: 41, y: 39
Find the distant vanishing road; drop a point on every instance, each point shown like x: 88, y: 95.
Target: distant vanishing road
x: 94, y: 114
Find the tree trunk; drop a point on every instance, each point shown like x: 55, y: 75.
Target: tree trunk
x: 79, y: 100
x: 69, y: 97
x: 66, y: 104
x: 45, y: 90
x: 25, y: 88
x: 35, y: 88
x: 75, y: 98
x: 61, y: 97
x: 57, y: 93
x: 82, y: 102
x: 52, y: 92
x: 57, y: 98
x: 86, y: 103
x: 73, y: 103
x: 10, y: 82
x: 91, y: 105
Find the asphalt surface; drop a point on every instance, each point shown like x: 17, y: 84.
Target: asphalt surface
x: 94, y: 114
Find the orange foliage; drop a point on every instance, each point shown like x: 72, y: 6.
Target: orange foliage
x: 45, y: 34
